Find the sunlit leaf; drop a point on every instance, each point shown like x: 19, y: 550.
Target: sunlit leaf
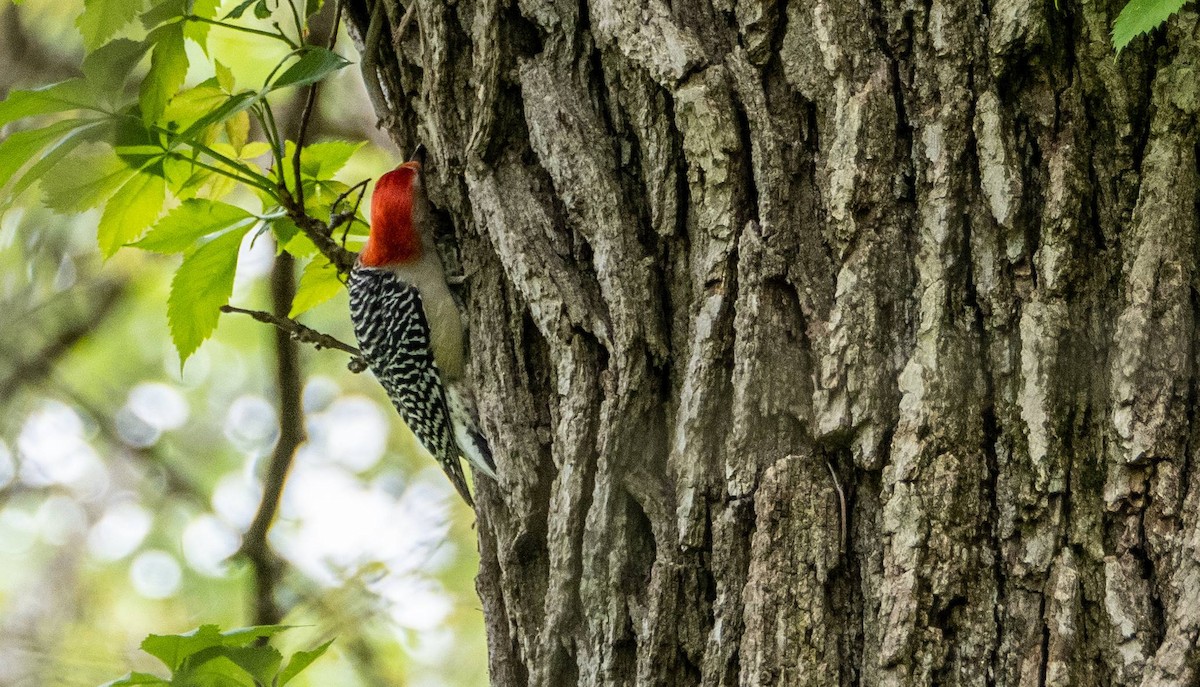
x: 323, y: 160
x: 318, y: 283
x: 137, y: 679
x: 56, y: 153
x: 299, y: 661
x: 198, y: 30
x: 65, y: 95
x: 163, y: 11
x: 108, y: 67
x: 224, y: 76
x: 1141, y: 16
x: 240, y: 9
x: 236, y: 103
x: 191, y: 221
x: 102, y: 19
x: 240, y: 636
x: 218, y: 671
x: 260, y: 662
x: 173, y: 649
x: 132, y: 208
x: 237, y: 130
x: 314, y: 65
x: 85, y: 183
x: 202, y: 285
x: 19, y: 148
x: 168, y: 69
x: 192, y: 104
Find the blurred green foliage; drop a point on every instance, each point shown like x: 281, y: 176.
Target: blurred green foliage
x: 127, y: 479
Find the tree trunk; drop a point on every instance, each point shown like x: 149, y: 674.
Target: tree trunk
x: 822, y: 342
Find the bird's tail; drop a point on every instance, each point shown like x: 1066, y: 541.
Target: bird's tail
x: 471, y: 442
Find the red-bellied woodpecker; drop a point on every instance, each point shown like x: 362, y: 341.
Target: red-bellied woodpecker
x: 409, y: 328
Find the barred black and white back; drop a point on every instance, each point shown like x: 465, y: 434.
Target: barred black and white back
x: 394, y: 337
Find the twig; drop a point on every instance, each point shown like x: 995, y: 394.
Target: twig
x: 309, y: 103
x: 303, y: 334
x: 842, y: 503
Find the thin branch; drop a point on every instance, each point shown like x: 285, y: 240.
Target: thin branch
x: 310, y: 102
x: 303, y: 334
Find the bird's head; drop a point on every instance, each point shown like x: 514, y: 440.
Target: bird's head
x: 397, y: 211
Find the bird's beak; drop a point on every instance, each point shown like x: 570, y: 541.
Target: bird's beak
x: 418, y: 155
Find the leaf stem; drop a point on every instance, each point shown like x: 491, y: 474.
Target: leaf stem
x: 245, y: 29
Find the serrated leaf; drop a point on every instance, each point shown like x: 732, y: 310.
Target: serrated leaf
x: 261, y: 662
x: 162, y: 12
x: 137, y: 679
x: 198, y: 30
x: 102, y: 19
x: 315, y: 64
x: 19, y: 148
x: 238, y: 11
x: 224, y: 76
x: 55, y: 153
x: 1141, y: 16
x: 191, y: 221
x: 132, y: 208
x: 202, y: 285
x: 168, y: 69
x: 190, y: 105
x: 318, y: 283
x: 240, y: 636
x: 87, y: 182
x: 236, y: 103
x: 216, y: 672
x: 323, y: 160
x: 299, y: 661
x: 108, y: 67
x: 237, y: 130
x: 172, y: 650
x: 64, y: 95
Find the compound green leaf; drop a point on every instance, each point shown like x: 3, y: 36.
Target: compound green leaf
x: 172, y: 650
x: 64, y: 95
x: 87, y: 182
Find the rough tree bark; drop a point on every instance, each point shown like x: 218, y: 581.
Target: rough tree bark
x: 739, y: 268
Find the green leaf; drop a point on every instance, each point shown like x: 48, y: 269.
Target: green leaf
x: 198, y: 30
x: 108, y: 67
x: 192, y: 221
x: 218, y: 671
x: 1141, y: 16
x: 172, y: 650
x: 323, y: 160
x: 238, y: 11
x: 102, y: 19
x: 85, y: 183
x: 318, y: 283
x: 163, y: 12
x: 190, y: 105
x: 235, y: 104
x: 261, y: 10
x: 19, y: 148
x: 202, y: 285
x: 224, y: 77
x: 261, y: 662
x: 138, y: 679
x: 240, y: 636
x: 65, y: 95
x: 168, y: 69
x: 299, y: 661
x: 55, y: 153
x: 314, y: 65
x: 134, y: 207
x: 311, y: 7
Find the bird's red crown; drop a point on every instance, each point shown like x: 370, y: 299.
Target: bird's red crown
x: 394, y: 238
